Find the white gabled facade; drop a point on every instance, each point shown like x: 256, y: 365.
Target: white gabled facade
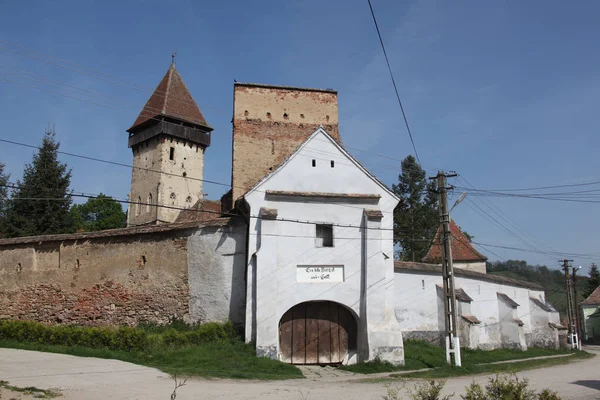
x: 288, y: 266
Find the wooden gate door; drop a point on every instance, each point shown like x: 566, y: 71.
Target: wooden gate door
x: 316, y: 333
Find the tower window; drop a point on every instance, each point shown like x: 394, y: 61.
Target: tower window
x: 188, y: 202
x: 314, y: 163
x: 332, y: 163
x: 138, y: 206
x: 324, y: 235
x: 172, y: 153
x: 149, y: 203
x: 173, y: 198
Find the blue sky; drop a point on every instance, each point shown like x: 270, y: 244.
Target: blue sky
x: 504, y: 93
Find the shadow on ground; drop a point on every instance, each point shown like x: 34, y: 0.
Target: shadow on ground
x: 589, y: 384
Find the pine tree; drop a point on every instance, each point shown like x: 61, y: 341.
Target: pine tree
x: 416, y: 217
x: 594, y: 280
x: 48, y: 180
x: 3, y: 198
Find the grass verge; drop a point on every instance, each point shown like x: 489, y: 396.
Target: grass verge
x: 30, y: 390
x: 235, y: 360
x: 472, y: 369
x: 209, y: 350
x: 420, y: 354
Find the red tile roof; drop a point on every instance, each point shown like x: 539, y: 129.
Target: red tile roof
x: 462, y: 250
x: 471, y: 319
x: 510, y: 302
x: 171, y: 98
x: 593, y: 298
x: 203, y: 210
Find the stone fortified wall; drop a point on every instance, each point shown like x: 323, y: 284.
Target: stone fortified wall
x: 123, y: 276
x: 270, y: 122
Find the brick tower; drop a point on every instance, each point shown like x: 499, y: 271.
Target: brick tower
x: 168, y: 140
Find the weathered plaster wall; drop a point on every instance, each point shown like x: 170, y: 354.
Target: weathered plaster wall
x: 168, y: 188
x: 125, y: 279
x: 419, y: 310
x: 217, y: 266
x: 478, y: 266
x: 97, y: 282
x: 269, y: 123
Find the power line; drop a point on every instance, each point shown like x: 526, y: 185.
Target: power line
x: 394, y: 82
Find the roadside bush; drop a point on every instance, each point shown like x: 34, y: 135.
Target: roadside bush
x: 507, y: 388
x: 123, y: 338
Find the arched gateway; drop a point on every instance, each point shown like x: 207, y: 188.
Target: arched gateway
x: 317, y: 332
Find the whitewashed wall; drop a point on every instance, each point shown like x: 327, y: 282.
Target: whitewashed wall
x: 277, y: 248
x: 419, y: 309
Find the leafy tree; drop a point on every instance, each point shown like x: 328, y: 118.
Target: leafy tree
x: 48, y: 180
x: 416, y: 217
x: 99, y: 213
x: 594, y: 280
x: 469, y: 237
x: 3, y: 197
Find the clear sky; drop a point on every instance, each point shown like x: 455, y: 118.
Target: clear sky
x: 504, y: 93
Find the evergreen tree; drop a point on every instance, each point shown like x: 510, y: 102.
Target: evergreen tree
x: 594, y: 280
x: 416, y: 217
x: 48, y: 180
x: 99, y: 213
x: 3, y: 198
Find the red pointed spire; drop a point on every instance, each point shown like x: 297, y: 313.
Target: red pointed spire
x: 171, y: 98
x: 462, y: 250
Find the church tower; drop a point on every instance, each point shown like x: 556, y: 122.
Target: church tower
x: 168, y: 140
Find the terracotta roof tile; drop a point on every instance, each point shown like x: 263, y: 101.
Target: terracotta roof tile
x: 203, y: 210
x: 462, y: 250
x: 542, y: 305
x: 593, y: 298
x: 556, y: 326
x: 138, y: 230
x: 471, y: 319
x: 171, y: 98
x: 268, y: 213
x: 519, y: 322
x: 374, y: 214
x: 437, y: 269
x: 510, y: 302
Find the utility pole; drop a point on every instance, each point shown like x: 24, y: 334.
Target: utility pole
x: 576, y: 308
x: 452, y: 340
x: 571, y: 320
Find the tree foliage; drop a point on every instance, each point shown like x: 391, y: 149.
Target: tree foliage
x: 3, y: 197
x: 40, y: 204
x: 416, y: 217
x: 594, y: 280
x: 99, y: 213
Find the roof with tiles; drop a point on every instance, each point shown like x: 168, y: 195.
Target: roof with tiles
x: 111, y: 233
x: 594, y: 298
x: 462, y: 250
x: 402, y: 266
x: 203, y: 210
x: 510, y: 302
x: 172, y: 99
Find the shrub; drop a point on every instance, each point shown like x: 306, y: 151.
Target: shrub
x: 430, y: 390
x: 507, y: 387
x: 123, y: 338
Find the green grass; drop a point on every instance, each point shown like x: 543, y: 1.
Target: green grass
x: 235, y: 360
x: 33, y: 391
x: 420, y: 354
x: 473, y: 369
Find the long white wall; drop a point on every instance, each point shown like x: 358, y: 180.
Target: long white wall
x: 419, y: 309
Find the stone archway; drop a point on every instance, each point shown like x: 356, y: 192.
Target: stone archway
x: 317, y: 332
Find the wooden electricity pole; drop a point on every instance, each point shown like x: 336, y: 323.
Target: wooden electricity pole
x: 452, y: 341
x: 571, y: 319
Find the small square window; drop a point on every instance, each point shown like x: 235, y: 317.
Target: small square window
x: 324, y: 235
x: 172, y: 153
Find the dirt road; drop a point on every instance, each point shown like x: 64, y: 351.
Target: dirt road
x: 94, y: 379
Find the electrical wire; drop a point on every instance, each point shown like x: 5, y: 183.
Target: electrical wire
x: 394, y: 82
